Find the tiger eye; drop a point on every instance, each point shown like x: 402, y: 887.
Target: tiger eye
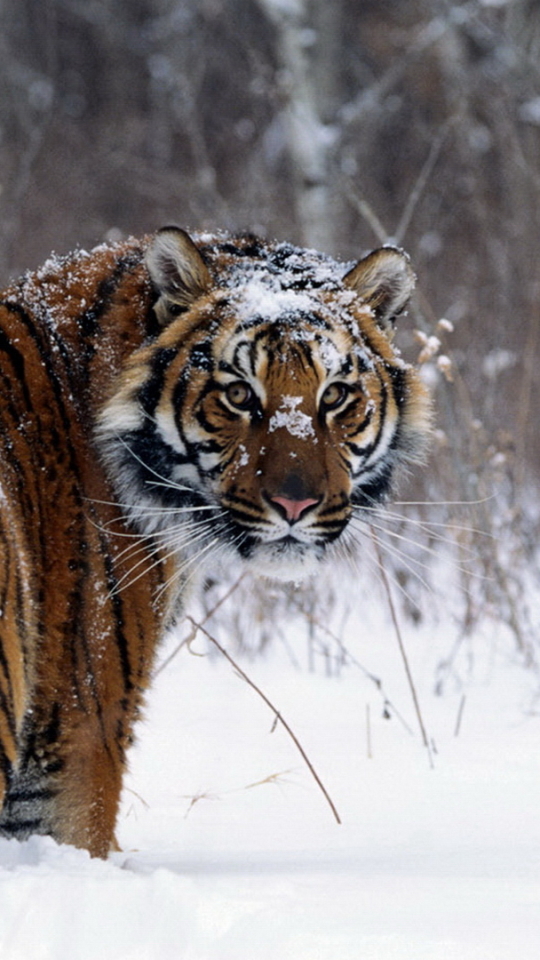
x: 240, y: 394
x: 334, y: 395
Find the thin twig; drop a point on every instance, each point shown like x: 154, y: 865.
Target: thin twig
x: 459, y: 717
x: 277, y: 715
x: 187, y: 641
x: 402, y: 650
x: 388, y: 704
x: 422, y: 180
x: 367, y: 213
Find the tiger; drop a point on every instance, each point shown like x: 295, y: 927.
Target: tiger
x: 171, y: 404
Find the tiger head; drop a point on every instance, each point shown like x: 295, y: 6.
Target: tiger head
x: 270, y: 407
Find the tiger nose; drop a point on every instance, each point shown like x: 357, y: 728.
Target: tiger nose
x: 294, y: 508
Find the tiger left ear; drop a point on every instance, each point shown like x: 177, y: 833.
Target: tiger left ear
x: 384, y: 280
x: 177, y: 270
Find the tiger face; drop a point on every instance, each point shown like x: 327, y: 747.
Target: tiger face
x: 270, y: 408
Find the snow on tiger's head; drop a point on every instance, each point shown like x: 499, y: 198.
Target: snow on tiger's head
x: 271, y: 405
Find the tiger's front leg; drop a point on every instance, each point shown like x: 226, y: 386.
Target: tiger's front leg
x: 89, y: 787
x: 92, y: 650
x: 66, y: 781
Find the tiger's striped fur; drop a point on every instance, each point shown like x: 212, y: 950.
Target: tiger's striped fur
x: 224, y: 398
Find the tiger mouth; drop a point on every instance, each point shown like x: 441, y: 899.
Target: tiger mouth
x: 285, y: 559
x: 288, y: 544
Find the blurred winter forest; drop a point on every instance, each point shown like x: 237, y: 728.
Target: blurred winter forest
x: 339, y: 125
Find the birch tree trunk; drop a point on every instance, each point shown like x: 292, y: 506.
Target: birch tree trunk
x: 304, y: 42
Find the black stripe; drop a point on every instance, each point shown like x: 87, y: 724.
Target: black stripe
x: 200, y: 356
x: 6, y: 766
x: 52, y: 730
x: 374, y: 490
x: 382, y: 421
x: 243, y: 507
x: 29, y: 794
x: 89, y: 319
x: 21, y: 828
x: 350, y: 410
x: 6, y: 543
x: 210, y: 427
x: 398, y: 377
x: 115, y: 599
x: 44, y: 349
x: 221, y: 466
x: 359, y: 451
x: 6, y: 700
x: 346, y: 366
x: 17, y: 361
x: 6, y: 708
x: 48, y: 341
x: 146, y: 455
x: 336, y: 508
x: 178, y: 400
x: 151, y: 391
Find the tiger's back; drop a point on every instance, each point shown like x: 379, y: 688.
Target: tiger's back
x: 162, y: 401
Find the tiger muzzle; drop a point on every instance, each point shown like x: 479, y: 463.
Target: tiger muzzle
x: 294, y: 509
x: 293, y: 497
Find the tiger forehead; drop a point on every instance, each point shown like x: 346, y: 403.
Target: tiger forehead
x: 293, y: 345
x: 245, y: 261
x: 264, y: 297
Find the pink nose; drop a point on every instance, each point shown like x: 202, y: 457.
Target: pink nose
x: 294, y: 508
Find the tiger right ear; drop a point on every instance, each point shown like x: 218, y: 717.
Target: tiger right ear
x: 384, y: 280
x: 178, y: 271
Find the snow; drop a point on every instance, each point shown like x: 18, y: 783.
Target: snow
x: 297, y: 423
x: 230, y: 850
x: 264, y: 298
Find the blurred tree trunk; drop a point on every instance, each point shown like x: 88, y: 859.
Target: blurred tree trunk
x: 523, y: 24
x: 307, y: 47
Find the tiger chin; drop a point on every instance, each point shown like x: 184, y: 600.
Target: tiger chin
x: 169, y: 404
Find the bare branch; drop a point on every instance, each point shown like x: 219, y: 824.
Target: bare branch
x: 278, y: 716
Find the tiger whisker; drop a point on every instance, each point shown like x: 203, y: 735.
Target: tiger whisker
x: 125, y: 580
x: 166, y: 537
x: 443, y: 503
x: 219, y: 547
x: 468, y: 553
x: 151, y: 510
x: 180, y: 572
x: 424, y: 547
x: 174, y: 546
x: 426, y: 526
x: 412, y: 563
x: 167, y: 481
x: 375, y: 563
x: 158, y: 532
x: 142, y: 540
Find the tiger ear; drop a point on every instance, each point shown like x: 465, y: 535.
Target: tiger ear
x: 177, y: 270
x: 384, y: 280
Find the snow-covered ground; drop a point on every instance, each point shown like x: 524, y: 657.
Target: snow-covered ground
x: 231, y: 852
